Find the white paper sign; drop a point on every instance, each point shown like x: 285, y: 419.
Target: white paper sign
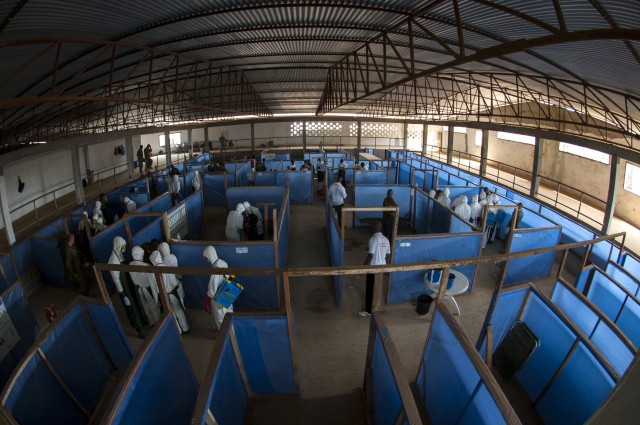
x: 405, y: 244
x: 8, y: 335
x: 242, y: 250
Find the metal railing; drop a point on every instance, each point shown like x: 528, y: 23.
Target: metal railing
x: 574, y: 201
x: 504, y: 174
x: 466, y: 161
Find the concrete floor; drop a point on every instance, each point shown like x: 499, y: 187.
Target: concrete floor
x: 330, y: 344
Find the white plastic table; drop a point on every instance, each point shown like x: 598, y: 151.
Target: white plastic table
x: 460, y: 285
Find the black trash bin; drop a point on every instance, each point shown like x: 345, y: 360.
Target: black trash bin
x: 424, y: 304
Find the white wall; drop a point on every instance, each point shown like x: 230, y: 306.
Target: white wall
x: 101, y: 155
x: 627, y: 203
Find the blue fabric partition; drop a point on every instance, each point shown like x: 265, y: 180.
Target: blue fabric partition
x: 283, y: 237
x: 300, y: 187
x: 76, y: 354
x: 386, y: 402
x: 532, y: 266
x: 620, y: 275
x: 260, y: 292
x: 160, y: 204
x: 255, y: 195
x: 163, y: 388
x: 49, y: 262
x: 630, y: 264
x: 426, y: 179
x: 137, y: 222
x: 52, y: 230
x: 153, y: 230
x: 406, y: 286
x: 589, y: 321
x: 264, y: 344
x: 459, y: 225
x: 23, y: 257
x: 7, y: 272
x: 228, y: 398
x: 139, y: 198
x: 404, y: 173
x: 336, y: 250
x: 102, y: 245
x: 421, y: 203
x: 186, y: 183
x: 571, y: 231
x: 623, y: 309
x: 603, y: 252
x: 439, y: 218
x: 22, y: 318
x: 530, y: 220
x: 266, y: 178
x: 195, y: 212
x: 161, y: 183
x: 451, y: 388
x: 373, y: 196
x: 109, y: 330
x: 274, y: 165
x: 370, y: 177
x: 214, y: 188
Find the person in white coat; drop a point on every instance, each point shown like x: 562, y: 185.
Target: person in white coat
x: 171, y: 285
x: 235, y: 223
x: 218, y: 312
x: 456, y: 202
x: 432, y: 193
x: 196, y: 183
x: 146, y: 287
x: 129, y: 205
x: 174, y: 188
x: 476, y: 211
x: 97, y: 210
x: 444, y: 198
x: 255, y: 211
x: 463, y: 209
x: 170, y: 260
x: 125, y: 287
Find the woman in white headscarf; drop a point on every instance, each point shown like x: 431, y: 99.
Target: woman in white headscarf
x: 124, y: 286
x: 146, y: 287
x: 476, y: 211
x: 171, y: 286
x: 211, y: 256
x: 463, y: 209
x: 129, y: 205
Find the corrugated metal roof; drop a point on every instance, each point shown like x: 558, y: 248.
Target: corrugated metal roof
x: 289, y: 46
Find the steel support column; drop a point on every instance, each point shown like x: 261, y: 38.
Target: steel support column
x: 535, y: 173
x: 405, y: 131
x: 359, y: 140
x: 425, y: 138
x: 450, y: 144
x: 6, y: 215
x: 613, y: 194
x: 253, y: 138
x: 129, y: 152
x: 484, y: 150
x: 167, y: 147
x: 77, y: 174
x: 190, y: 140
x: 304, y: 137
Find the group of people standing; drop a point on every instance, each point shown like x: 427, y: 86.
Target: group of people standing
x: 244, y: 223
x: 144, y: 158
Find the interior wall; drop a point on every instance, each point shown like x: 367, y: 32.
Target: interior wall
x: 101, y: 157
x: 516, y: 154
x: 581, y: 173
x: 627, y: 203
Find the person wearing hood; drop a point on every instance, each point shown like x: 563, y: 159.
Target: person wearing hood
x: 171, y: 285
x: 97, y: 210
x: 235, y: 224
x: 129, y: 205
x: 174, y: 188
x: 211, y: 256
x: 170, y: 260
x: 493, y: 226
x: 463, y: 209
x: 84, y: 222
x: 476, y: 211
x: 432, y: 193
x: 256, y: 226
x: 146, y: 287
x: 443, y: 198
x: 125, y: 287
x: 456, y: 202
x: 196, y: 183
x: 97, y: 224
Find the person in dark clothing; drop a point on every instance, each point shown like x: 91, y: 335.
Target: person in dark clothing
x: 140, y: 155
x: 388, y: 216
x: 147, y: 158
x: 73, y: 266
x: 174, y: 171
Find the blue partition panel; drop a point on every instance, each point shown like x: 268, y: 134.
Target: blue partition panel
x: 154, y: 230
x: 506, y: 307
x: 110, y: 331
x: 404, y: 173
x: 606, y: 295
x: 274, y: 165
x: 49, y: 262
x: 102, y: 245
x: 7, y: 272
x: 242, y: 169
x: 451, y: 388
x: 139, y: 198
x: 186, y: 184
x: 161, y: 184
x: 214, y: 188
x: 422, y: 200
x: 532, y: 266
x: 587, y: 320
x: 406, y: 286
x: 283, y: 238
x: 160, y: 204
x: 571, y: 231
x: 630, y: 264
x: 77, y: 357
x: 266, y: 178
x: 22, y: 254
x: 336, y: 249
x: 264, y: 343
x: 373, y: 196
x: 370, y: 177
x: 228, y: 398
x: 582, y: 385
x: 37, y: 386
x: 628, y: 321
x: 603, y: 252
x: 386, y: 401
x: 163, y: 389
x: 620, y: 275
x: 260, y: 292
x: 301, y: 187
x: 459, y: 225
x: 52, y: 230
x: 255, y: 196
x: 195, y: 212
x: 555, y: 341
x: 439, y: 218
x: 22, y: 318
